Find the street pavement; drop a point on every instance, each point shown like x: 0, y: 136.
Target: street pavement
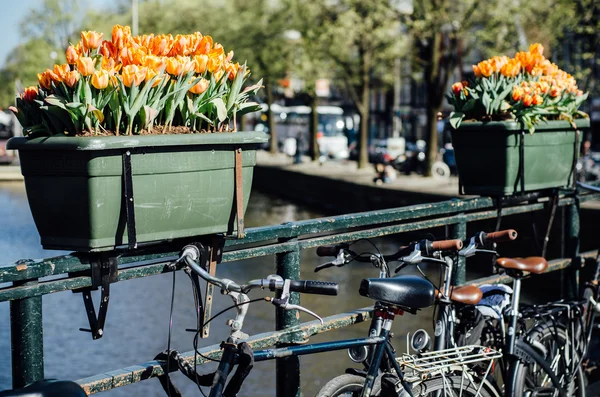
x: 347, y: 170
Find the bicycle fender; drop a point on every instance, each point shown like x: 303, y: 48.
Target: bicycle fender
x: 526, y: 353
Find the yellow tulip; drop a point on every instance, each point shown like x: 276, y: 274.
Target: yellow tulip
x: 173, y: 66
x: 85, y: 65
x: 133, y: 75
x: 91, y: 40
x: 100, y: 79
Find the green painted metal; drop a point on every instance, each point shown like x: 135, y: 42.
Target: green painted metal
x: 285, y: 241
x: 459, y: 231
x: 494, y: 170
x: 137, y: 373
x: 571, y: 234
x: 287, y: 369
x: 189, y: 194
x: 27, y: 340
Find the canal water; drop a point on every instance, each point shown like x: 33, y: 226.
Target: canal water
x: 138, y: 316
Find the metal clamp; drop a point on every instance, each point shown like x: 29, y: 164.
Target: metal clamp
x: 104, y: 271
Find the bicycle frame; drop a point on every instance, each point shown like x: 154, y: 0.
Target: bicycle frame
x: 229, y: 357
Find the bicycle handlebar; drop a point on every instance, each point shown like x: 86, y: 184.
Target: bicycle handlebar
x: 500, y: 236
x: 273, y: 284
x: 447, y: 245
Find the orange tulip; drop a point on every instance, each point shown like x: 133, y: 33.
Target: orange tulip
x: 173, y: 66
x: 72, y: 55
x: 527, y: 100
x: 218, y: 74
x: 555, y: 91
x: 72, y: 78
x: 485, y: 68
x: 108, y: 50
x: 232, y: 70
x: 217, y: 51
x: 85, y: 65
x: 154, y: 62
x: 187, y: 65
x: 536, y: 48
x: 44, y: 80
x: 205, y: 45
x: 229, y: 56
x: 201, y: 62
x: 120, y: 36
x: 199, y: 87
x: 29, y: 94
x: 100, y: 79
x: 537, y: 100
x: 511, y: 68
x: 110, y: 65
x: 213, y: 65
x: 457, y: 88
x: 60, y: 71
x: 180, y: 46
x: 517, y: 93
x: 160, y: 45
x: 91, y: 40
x: 133, y: 75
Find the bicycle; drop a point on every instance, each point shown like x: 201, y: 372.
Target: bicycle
x: 455, y: 375
x: 404, y: 293
x: 516, y: 350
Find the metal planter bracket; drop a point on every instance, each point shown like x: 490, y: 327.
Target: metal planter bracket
x: 104, y: 271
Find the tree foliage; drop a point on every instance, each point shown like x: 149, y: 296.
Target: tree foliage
x: 362, y: 39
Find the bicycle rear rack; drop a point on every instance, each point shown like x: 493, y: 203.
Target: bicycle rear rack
x: 425, y: 364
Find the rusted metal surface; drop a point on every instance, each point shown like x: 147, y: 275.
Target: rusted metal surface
x: 151, y: 369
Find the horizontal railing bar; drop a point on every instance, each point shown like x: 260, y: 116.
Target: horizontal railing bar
x: 151, y: 369
x: 34, y: 269
x: 553, y: 265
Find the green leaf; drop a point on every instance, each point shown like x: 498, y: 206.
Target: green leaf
x: 468, y: 106
x: 221, y: 109
x: 486, y: 102
x: 455, y: 119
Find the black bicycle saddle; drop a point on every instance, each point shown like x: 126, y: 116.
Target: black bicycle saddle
x: 47, y: 388
x: 405, y: 291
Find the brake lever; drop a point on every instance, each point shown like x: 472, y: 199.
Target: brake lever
x: 284, y: 302
x: 339, y: 261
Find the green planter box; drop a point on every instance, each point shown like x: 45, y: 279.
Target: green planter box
x: 183, y: 186
x: 488, y: 156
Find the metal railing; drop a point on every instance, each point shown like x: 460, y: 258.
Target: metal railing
x: 25, y: 287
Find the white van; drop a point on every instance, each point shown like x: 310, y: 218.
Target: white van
x: 332, y: 141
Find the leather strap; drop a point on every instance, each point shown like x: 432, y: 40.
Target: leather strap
x: 128, y: 196
x: 212, y: 270
x: 239, y: 193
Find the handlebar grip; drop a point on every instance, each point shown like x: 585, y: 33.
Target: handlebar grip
x: 447, y: 245
x: 314, y: 287
x: 328, y: 250
x: 502, y: 235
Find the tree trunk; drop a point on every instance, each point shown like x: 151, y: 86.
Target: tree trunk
x: 270, y: 120
x: 313, y: 127
x: 432, y: 144
x: 432, y: 74
x: 363, y: 157
x: 363, y: 109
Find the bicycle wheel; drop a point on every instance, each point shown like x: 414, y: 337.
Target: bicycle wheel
x: 454, y: 386
x: 351, y: 385
x: 347, y: 385
x: 552, y: 342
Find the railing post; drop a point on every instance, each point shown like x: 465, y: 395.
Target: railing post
x: 459, y: 231
x: 572, y: 249
x: 27, y: 339
x: 288, y: 369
